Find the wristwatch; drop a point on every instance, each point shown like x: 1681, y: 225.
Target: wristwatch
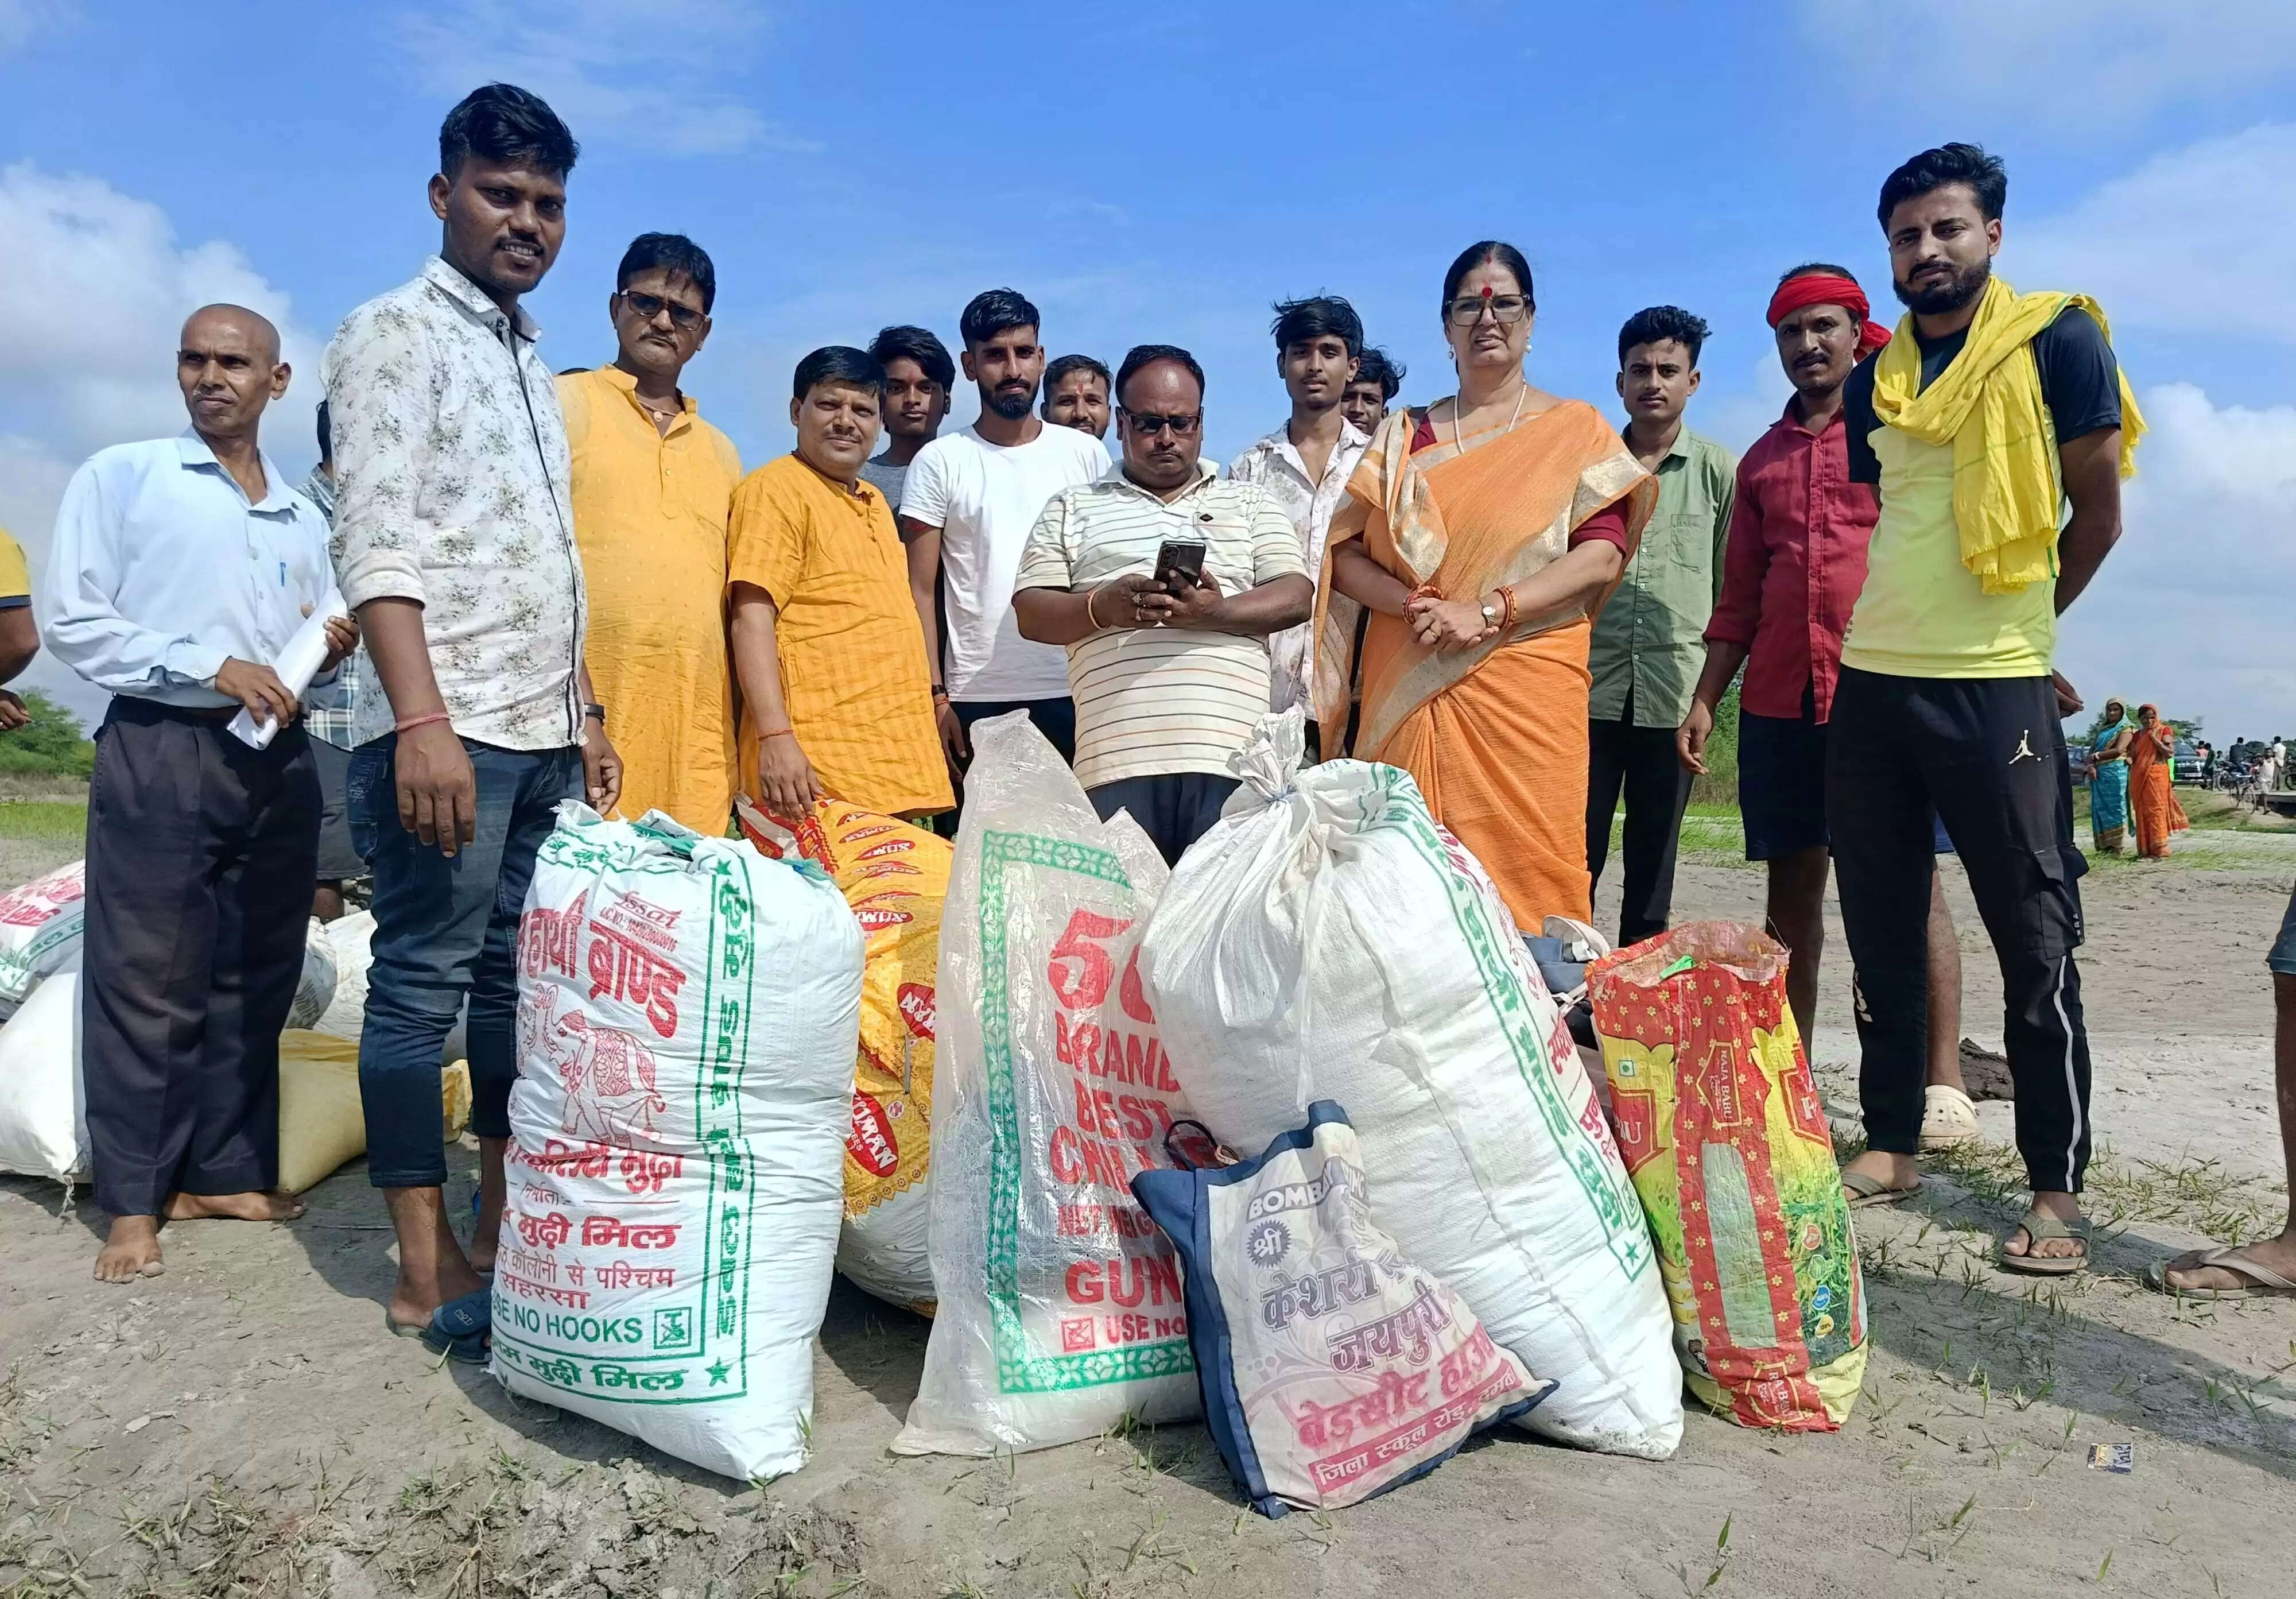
x: 598, y: 711
x: 1492, y: 614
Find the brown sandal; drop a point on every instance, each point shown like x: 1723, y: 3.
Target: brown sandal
x: 1865, y: 1191
x: 2038, y: 1227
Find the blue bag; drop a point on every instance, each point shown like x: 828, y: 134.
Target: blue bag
x: 1333, y: 1369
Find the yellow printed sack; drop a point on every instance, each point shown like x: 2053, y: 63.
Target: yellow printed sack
x: 321, y: 1124
x: 1729, y: 1148
x: 895, y: 877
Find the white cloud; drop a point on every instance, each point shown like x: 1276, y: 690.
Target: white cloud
x: 649, y: 76
x: 2192, y: 608
x: 2175, y: 244
x: 110, y: 376
x: 74, y: 384
x: 2093, y: 62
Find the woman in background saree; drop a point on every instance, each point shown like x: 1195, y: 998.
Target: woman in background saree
x: 1482, y: 533
x: 2151, y: 756
x: 2108, y: 779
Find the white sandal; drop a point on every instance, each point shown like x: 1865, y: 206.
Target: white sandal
x: 1948, y: 1118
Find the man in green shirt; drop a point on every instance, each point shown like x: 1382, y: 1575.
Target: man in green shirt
x: 1649, y: 641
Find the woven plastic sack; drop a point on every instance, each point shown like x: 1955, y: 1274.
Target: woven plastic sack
x: 895, y: 878
x: 686, y: 1018
x: 1333, y: 1368
x: 1060, y: 1314
x: 322, y: 1122
x: 1730, y: 1150
x: 40, y: 929
x: 1326, y: 940
x: 43, y: 1108
x: 315, y: 991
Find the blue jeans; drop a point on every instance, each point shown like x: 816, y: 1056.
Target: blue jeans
x: 445, y: 930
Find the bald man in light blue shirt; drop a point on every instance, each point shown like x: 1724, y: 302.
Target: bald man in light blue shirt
x: 180, y: 567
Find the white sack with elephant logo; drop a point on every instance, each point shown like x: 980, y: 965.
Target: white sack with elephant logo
x: 688, y: 1013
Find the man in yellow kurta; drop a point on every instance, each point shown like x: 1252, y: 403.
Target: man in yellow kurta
x: 653, y: 486
x: 837, y: 697
x: 19, y: 641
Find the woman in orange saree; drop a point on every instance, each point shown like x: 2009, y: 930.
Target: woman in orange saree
x: 2151, y: 765
x: 1483, y: 534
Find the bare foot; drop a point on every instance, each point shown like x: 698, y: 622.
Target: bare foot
x: 271, y: 1206
x: 2186, y: 1274
x: 413, y: 1303
x: 2063, y: 1206
x: 132, y: 1250
x: 433, y: 1269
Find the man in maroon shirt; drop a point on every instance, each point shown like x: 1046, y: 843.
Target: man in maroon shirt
x: 1793, y: 567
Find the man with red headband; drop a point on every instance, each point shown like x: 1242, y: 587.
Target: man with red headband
x: 1791, y: 569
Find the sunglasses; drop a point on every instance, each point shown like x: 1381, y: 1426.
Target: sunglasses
x: 1505, y: 309
x: 648, y: 306
x: 1149, y: 424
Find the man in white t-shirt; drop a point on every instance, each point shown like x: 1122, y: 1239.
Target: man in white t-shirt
x: 1306, y: 463
x: 1170, y: 675
x: 966, y: 510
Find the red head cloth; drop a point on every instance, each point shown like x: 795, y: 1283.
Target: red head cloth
x: 1825, y: 288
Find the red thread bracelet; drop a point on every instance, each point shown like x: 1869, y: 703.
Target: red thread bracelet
x: 412, y: 723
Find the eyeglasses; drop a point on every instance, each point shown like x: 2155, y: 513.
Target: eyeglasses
x: 648, y: 306
x: 1149, y: 424
x: 1505, y: 309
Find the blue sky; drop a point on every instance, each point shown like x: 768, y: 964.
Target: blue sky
x: 1164, y: 173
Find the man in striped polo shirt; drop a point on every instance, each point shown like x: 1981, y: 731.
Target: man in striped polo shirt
x: 1169, y: 680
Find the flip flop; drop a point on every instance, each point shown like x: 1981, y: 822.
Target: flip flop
x: 1865, y: 1191
x: 1948, y: 1118
x: 2038, y: 1228
x: 463, y: 1351
x: 2266, y: 1280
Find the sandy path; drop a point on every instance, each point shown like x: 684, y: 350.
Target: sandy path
x: 286, y: 1435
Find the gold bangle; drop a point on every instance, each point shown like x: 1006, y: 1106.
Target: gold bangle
x: 1090, y: 594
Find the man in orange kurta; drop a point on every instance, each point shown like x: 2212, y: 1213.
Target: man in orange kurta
x: 654, y: 488
x: 837, y: 696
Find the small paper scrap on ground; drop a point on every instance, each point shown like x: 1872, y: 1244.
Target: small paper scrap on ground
x: 2112, y: 1457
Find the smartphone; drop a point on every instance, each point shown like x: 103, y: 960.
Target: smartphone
x: 1179, y: 564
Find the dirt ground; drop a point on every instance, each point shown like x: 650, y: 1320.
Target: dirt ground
x: 244, y: 1426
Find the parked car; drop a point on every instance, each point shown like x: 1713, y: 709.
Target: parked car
x: 2082, y: 759
x: 2185, y: 767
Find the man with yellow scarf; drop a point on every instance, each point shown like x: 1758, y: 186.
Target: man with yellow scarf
x: 1988, y: 414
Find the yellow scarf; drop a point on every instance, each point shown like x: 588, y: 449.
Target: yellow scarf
x: 1988, y: 407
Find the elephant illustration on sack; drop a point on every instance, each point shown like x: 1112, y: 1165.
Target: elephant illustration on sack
x: 609, y: 1078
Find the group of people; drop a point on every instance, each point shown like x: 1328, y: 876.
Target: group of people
x: 2132, y: 770
x: 1528, y: 609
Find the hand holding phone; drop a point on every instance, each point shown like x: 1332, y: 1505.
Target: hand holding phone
x: 1180, y: 565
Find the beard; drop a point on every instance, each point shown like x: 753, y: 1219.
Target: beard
x: 1964, y: 285
x: 1011, y: 403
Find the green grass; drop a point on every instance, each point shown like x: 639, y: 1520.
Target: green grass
x: 43, y: 821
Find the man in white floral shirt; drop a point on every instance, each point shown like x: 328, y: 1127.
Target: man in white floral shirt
x: 453, y: 542
x: 1306, y: 463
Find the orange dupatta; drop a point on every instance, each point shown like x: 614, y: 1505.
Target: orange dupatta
x: 1495, y: 736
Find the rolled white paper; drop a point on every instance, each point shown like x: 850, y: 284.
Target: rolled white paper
x: 296, y: 666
